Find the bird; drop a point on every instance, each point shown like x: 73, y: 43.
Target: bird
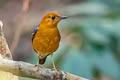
x: 46, y: 37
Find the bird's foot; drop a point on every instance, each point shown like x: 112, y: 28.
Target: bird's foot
x: 38, y: 66
x: 55, y: 69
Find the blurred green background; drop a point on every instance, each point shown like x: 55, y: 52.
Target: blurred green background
x: 90, y: 45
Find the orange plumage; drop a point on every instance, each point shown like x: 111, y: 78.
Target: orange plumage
x: 46, y: 39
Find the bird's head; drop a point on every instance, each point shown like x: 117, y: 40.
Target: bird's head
x: 52, y: 19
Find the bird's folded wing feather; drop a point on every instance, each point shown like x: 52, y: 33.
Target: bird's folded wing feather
x: 34, y: 32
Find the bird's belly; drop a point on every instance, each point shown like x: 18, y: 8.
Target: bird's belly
x: 46, y: 45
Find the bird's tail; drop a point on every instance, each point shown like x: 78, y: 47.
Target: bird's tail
x: 42, y: 61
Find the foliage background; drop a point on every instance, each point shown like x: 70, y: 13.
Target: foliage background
x: 90, y: 45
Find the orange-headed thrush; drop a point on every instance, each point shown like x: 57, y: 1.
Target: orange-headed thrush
x: 46, y: 36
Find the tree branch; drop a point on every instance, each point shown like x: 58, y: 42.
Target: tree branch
x: 6, y: 54
x: 24, y: 69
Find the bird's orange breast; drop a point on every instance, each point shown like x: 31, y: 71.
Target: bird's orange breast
x: 46, y: 41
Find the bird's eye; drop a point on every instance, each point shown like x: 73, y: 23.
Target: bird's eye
x: 53, y: 17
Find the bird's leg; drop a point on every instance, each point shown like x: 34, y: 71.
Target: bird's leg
x: 38, y: 64
x: 52, y: 60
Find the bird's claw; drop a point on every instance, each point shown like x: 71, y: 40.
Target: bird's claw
x: 55, y: 69
x: 38, y: 66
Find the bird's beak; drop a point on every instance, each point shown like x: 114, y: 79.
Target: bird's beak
x: 64, y: 17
